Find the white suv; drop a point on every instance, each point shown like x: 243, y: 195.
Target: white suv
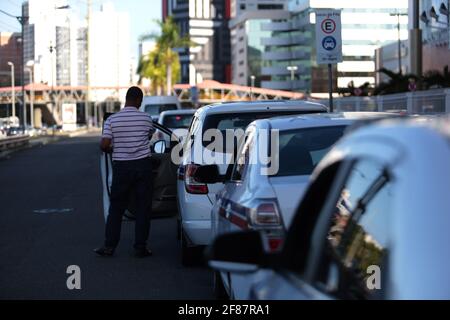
x: 195, y: 200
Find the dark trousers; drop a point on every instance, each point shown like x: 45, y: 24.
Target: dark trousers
x: 130, y: 177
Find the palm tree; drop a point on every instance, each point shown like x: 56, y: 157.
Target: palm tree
x: 168, y: 40
x: 398, y: 82
x: 153, y: 66
x: 436, y: 79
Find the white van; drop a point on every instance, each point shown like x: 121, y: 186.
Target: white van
x: 154, y: 105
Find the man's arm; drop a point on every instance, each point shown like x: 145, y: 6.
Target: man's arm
x: 106, y: 143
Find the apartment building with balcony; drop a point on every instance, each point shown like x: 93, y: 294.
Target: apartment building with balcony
x: 206, y: 22
x: 366, y: 26
x: 248, y: 40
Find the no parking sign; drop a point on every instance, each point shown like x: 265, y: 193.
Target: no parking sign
x: 328, y: 36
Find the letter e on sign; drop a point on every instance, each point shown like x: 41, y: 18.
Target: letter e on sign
x: 328, y: 26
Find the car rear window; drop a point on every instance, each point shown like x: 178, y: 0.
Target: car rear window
x: 156, y: 109
x: 300, y: 150
x: 177, y: 121
x: 240, y: 121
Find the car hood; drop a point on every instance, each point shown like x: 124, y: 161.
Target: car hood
x: 289, y: 191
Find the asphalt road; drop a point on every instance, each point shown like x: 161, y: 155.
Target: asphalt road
x: 51, y: 218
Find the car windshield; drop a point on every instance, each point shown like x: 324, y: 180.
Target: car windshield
x: 235, y: 121
x: 156, y: 109
x: 179, y: 121
x: 300, y: 150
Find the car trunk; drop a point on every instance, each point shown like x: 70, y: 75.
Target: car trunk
x: 289, y: 191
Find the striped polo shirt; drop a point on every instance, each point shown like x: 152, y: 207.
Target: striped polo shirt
x: 130, y: 131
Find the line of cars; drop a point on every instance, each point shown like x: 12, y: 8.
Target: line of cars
x: 372, y: 223
x: 314, y: 227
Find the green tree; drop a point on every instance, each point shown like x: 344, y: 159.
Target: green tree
x: 165, y: 56
x: 153, y: 66
x: 436, y: 79
x: 398, y: 82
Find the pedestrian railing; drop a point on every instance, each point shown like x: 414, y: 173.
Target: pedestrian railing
x: 13, y: 142
x: 419, y: 102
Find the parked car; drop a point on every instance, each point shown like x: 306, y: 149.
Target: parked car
x: 373, y: 223
x: 176, y: 120
x: 164, y: 177
x: 195, y: 200
x: 253, y: 199
x: 155, y: 105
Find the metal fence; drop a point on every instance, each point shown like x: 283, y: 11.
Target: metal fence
x: 419, y: 102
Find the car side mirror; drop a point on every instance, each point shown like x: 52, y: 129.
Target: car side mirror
x: 237, y: 252
x: 159, y: 146
x: 208, y: 174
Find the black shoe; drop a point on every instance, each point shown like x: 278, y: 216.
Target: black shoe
x: 104, y: 251
x: 142, y: 253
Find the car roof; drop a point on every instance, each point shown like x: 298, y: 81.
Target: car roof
x: 319, y: 119
x: 159, y: 99
x: 177, y: 112
x: 269, y: 105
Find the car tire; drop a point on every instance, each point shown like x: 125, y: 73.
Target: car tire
x: 219, y: 289
x: 187, y: 253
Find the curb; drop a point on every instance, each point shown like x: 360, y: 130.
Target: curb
x: 42, y: 141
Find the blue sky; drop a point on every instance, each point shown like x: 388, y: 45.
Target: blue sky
x: 142, y: 14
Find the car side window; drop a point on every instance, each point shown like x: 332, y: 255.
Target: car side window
x: 192, y: 129
x: 243, y: 158
x: 357, y: 239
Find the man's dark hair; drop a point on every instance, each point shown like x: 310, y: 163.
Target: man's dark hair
x: 134, y: 94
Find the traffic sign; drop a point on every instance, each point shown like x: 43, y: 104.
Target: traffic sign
x: 328, y: 36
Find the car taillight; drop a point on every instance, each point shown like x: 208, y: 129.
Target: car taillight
x: 190, y: 184
x: 275, y: 244
x: 265, y: 215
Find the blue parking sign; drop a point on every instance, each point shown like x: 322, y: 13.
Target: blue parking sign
x: 329, y: 43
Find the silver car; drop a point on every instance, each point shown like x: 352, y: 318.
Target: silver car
x: 373, y: 223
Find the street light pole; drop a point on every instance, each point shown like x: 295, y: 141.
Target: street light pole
x: 30, y: 64
x: 13, y: 87
x: 399, y: 40
x: 292, y: 69
x: 252, y: 78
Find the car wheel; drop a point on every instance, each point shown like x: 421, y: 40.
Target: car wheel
x: 219, y: 289
x: 187, y: 253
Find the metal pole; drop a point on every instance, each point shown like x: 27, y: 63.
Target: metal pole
x: 415, y: 36
x: 24, y: 103
x: 31, y: 98
x: 330, y: 86
x: 399, y: 45
x: 88, y: 76
x: 13, y: 87
x: 52, y: 94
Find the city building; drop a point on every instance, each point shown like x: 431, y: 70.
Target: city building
x: 206, y: 22
x: 248, y: 37
x: 366, y: 26
x: 109, y: 48
x: 435, y: 26
x: 55, y: 39
x: 237, y: 7
x: 434, y: 23
x: 387, y: 57
x: 10, y: 51
x: 46, y: 33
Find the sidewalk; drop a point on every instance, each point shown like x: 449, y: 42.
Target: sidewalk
x: 44, y: 140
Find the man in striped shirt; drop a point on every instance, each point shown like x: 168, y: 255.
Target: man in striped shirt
x: 127, y: 135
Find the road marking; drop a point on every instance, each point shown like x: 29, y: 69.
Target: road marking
x: 51, y: 211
